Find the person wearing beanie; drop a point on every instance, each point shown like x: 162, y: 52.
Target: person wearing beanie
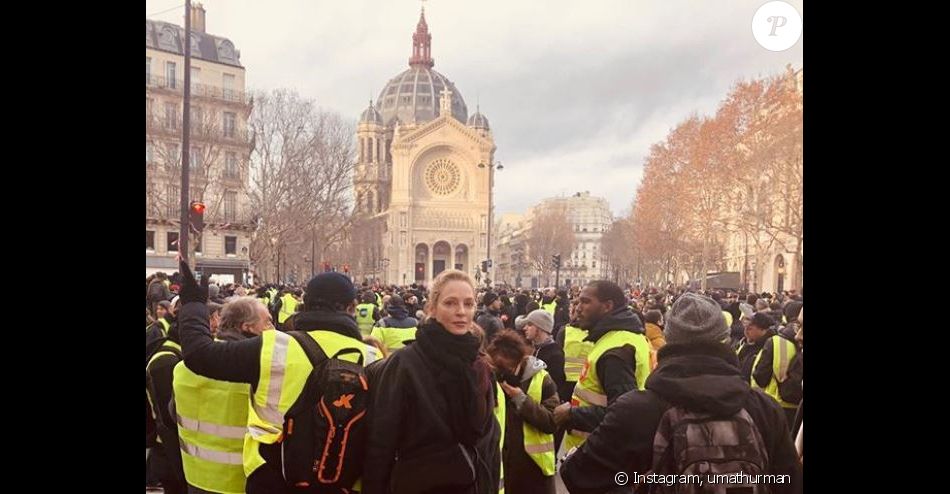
x: 537, y: 329
x: 273, y: 361
x: 398, y: 328
x: 490, y: 317
x: 618, y: 362
x: 696, y: 373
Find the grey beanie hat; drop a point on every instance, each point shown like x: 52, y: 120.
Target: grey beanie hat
x: 694, y: 319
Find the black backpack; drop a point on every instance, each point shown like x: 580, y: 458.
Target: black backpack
x: 324, y: 436
x: 714, y: 450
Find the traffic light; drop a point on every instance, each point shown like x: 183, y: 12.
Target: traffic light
x: 556, y: 261
x: 484, y: 266
x: 196, y: 216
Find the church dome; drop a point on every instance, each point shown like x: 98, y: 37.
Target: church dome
x: 414, y: 96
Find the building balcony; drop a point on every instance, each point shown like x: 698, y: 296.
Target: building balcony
x: 204, y: 91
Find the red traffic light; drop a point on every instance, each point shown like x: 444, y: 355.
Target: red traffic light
x: 196, y: 215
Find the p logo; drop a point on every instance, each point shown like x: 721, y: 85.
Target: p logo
x: 777, y: 26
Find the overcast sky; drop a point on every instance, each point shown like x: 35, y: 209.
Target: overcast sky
x: 576, y: 92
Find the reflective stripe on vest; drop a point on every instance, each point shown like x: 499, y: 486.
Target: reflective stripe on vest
x: 575, y: 352
x: 288, y: 305
x: 589, y: 388
x: 500, y: 417
x: 364, y: 317
x: 574, y: 439
x: 538, y: 445
x: 212, y: 422
x: 394, y: 338
x: 284, y: 371
x: 781, y: 359
x: 165, y: 349
x: 210, y: 455
x: 590, y: 397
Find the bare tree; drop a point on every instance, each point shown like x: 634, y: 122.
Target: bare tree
x: 550, y: 234
x: 301, y: 174
x: 621, y: 249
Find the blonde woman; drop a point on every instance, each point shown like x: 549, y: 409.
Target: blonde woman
x: 431, y: 423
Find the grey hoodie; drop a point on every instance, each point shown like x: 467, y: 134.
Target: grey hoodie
x: 531, y: 367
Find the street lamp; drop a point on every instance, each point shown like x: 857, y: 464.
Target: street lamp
x: 273, y: 243
x: 491, y: 208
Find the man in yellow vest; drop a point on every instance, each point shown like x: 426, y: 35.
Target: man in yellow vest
x: 771, y: 368
x: 367, y: 313
x: 286, y: 307
x: 549, y: 302
x: 211, y: 414
x: 397, y: 329
x: 572, y: 339
x: 618, y: 362
x: 158, y: 385
x: 696, y: 389
x: 275, y: 364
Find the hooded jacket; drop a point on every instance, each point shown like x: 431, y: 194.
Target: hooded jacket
x: 700, y: 378
x: 522, y: 474
x: 615, y: 368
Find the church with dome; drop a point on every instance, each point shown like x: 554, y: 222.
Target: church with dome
x: 422, y: 179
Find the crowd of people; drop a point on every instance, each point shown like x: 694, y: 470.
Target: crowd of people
x: 455, y: 388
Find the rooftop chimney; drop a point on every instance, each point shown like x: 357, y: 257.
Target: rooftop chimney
x: 197, y: 18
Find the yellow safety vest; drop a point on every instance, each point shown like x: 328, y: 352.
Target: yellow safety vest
x: 288, y: 305
x: 538, y: 445
x: 284, y: 370
x: 781, y: 358
x: 394, y: 338
x: 500, y: 417
x: 364, y: 317
x: 728, y: 318
x: 550, y: 307
x: 165, y: 326
x: 165, y: 349
x: 575, y: 352
x: 212, y: 422
x: 589, y: 389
